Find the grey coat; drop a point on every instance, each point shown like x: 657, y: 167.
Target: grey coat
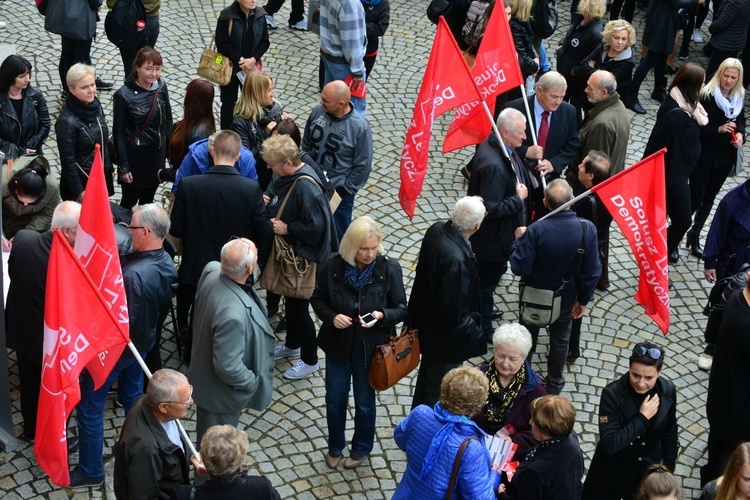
x: 232, y: 358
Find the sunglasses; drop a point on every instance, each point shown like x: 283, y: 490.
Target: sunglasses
x: 652, y: 352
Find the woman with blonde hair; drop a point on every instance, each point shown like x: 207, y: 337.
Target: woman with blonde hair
x: 723, y: 98
x: 352, y: 285
x: 735, y: 483
x: 255, y: 115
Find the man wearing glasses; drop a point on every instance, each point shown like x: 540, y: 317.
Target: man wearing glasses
x: 147, y: 275
x: 150, y: 457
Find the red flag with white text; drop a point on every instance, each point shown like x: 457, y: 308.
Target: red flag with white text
x: 446, y: 84
x: 78, y: 324
x: 96, y: 247
x: 636, y: 198
x: 495, y: 71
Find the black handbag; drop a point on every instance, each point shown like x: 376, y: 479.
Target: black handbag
x: 71, y: 18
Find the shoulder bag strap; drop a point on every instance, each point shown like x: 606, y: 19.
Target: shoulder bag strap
x: 579, y: 253
x: 148, y: 119
x: 456, y: 465
x: 286, y: 198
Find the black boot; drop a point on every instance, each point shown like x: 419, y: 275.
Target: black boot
x: 659, y: 94
x: 634, y: 105
x: 674, y: 256
x: 693, y: 242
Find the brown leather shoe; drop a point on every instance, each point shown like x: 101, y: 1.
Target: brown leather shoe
x: 332, y: 461
x: 353, y: 461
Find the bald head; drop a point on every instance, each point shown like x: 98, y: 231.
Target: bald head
x: 601, y: 84
x: 335, y: 98
x: 238, y: 259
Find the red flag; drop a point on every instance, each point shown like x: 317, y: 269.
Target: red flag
x: 636, y: 198
x: 496, y: 70
x: 96, y: 246
x: 78, y: 324
x: 447, y: 84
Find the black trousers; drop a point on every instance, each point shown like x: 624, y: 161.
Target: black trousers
x: 73, y: 51
x: 132, y: 196
x: 298, y: 10
x: 429, y: 377
x: 30, y: 381
x: 678, y: 209
x: 628, y: 10
x: 228, y: 98
x: 300, y: 329
x: 152, y: 35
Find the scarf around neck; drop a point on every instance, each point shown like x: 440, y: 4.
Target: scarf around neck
x: 453, y: 423
x: 731, y: 106
x: 357, y: 279
x: 499, y: 400
x: 88, y: 112
x: 697, y: 113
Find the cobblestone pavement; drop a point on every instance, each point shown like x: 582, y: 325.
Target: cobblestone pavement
x: 288, y: 440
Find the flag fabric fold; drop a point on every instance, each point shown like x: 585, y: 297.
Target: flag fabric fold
x: 97, y: 249
x: 447, y: 84
x: 78, y: 325
x: 636, y: 199
x: 495, y: 71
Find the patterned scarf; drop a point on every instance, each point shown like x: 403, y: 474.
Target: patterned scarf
x: 499, y: 400
x: 357, y: 279
x: 543, y: 444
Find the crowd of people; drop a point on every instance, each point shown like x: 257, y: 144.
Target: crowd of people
x: 259, y: 189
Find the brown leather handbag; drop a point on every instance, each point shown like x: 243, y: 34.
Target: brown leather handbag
x: 394, y: 360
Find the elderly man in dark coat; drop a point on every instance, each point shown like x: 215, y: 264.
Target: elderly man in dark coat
x: 445, y: 299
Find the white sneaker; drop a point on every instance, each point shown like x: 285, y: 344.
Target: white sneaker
x: 300, y: 370
x: 705, y: 361
x: 697, y: 36
x: 2, y: 25
x: 271, y: 22
x: 299, y: 25
x: 282, y: 352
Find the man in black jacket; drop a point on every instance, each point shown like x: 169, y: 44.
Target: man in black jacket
x: 493, y: 177
x: 209, y: 209
x: 150, y: 457
x: 444, y: 303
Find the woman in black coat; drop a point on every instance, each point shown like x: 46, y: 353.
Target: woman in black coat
x: 637, y: 427
x: 351, y: 284
x: 377, y: 19
x: 24, y: 118
x: 723, y: 98
x: 677, y: 128
x: 80, y: 127
x: 141, y: 130
x: 584, y: 35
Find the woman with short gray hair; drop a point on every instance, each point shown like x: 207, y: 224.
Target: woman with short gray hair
x: 513, y: 385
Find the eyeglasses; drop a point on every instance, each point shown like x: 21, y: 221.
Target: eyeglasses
x: 652, y: 352
x: 130, y: 228
x: 187, y: 403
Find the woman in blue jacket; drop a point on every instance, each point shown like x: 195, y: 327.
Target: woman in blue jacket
x: 432, y: 437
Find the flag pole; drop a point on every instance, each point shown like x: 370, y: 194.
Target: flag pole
x: 532, y: 128
x: 148, y: 373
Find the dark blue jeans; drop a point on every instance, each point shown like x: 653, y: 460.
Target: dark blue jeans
x: 90, y: 413
x: 490, y: 273
x: 339, y: 378
x: 342, y: 217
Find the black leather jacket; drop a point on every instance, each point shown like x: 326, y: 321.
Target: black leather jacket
x: 75, y: 143
x: 333, y: 296
x: 30, y: 130
x: 132, y: 106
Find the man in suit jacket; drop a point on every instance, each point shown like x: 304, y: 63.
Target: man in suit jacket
x: 233, y: 353
x: 557, y: 145
x: 27, y: 269
x: 208, y: 210
x: 445, y: 299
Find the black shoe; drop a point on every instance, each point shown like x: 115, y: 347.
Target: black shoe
x: 78, y: 479
x: 684, y: 54
x: 73, y: 444
x: 693, y: 242
x: 670, y: 70
x: 636, y: 106
x: 102, y: 85
x: 674, y: 256
x: 497, y: 314
x: 659, y: 95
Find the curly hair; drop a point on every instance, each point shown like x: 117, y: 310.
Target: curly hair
x: 223, y: 450
x: 463, y: 390
x: 594, y: 8
x: 613, y: 27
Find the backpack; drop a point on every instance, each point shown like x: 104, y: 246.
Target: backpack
x: 41, y: 6
x: 718, y: 298
x: 544, y: 21
x: 473, y: 27
x: 121, y: 27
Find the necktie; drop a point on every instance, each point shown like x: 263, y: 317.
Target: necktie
x: 543, y: 130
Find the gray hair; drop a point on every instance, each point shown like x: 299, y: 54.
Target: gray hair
x: 78, y: 71
x: 510, y: 119
x: 552, y: 80
x: 223, y: 450
x: 469, y: 211
x: 557, y: 193
x: 514, y: 335
x: 163, y: 386
x: 607, y: 82
x: 153, y: 217
x: 66, y: 214
x: 236, y: 257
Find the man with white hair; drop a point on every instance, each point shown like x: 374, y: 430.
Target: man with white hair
x: 233, y: 347
x: 444, y: 303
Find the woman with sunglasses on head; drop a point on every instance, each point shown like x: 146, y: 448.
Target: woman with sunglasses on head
x: 637, y: 427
